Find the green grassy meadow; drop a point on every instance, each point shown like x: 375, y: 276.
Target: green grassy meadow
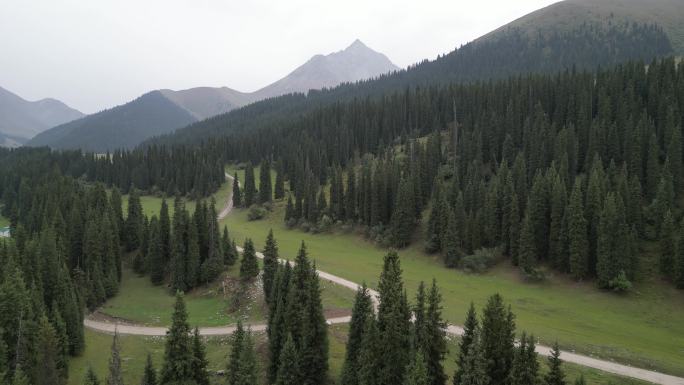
x: 644, y: 328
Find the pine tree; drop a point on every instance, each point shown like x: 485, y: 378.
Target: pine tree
x: 265, y: 187
x: 403, y: 218
x: 417, y: 373
x: 555, y: 376
x: 527, y: 250
x: 679, y: 265
x: 314, y: 345
x: 614, y: 248
x: 525, y: 368
x: 247, y: 368
x: 558, y: 204
x: 149, y: 374
x: 475, y: 366
x: 578, y: 244
x: 279, y: 189
x: 270, y: 266
x: 199, y: 362
x: 393, y: 323
x: 178, y: 354
x: 470, y: 328
x: 90, y: 378
x: 192, y: 259
x: 134, y: 222
x: 155, y: 254
x: 250, y: 188
x: 434, y: 346
x: 237, y: 194
x: 369, y: 359
x: 47, y: 352
x: 361, y: 313
x: 288, y: 369
x: 115, y: 376
x: 249, y: 268
x: 229, y: 252
x: 237, y: 340
x: 498, y: 330
x: 451, y: 241
x: 667, y: 245
x: 165, y: 233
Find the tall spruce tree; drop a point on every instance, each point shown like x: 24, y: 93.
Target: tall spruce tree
x: 199, y: 362
x: 474, y: 370
x: 178, y: 354
x: 149, y: 373
x: 250, y: 188
x: 134, y: 222
x: 361, y: 313
x: 470, y: 328
x: 115, y: 376
x: 248, y: 366
x: 393, y: 323
x: 498, y: 334
x: 555, y: 375
x: 403, y: 219
x: 237, y: 194
x: 525, y: 368
x: 237, y: 342
x: 279, y: 189
x: 249, y: 268
x: 417, y: 372
x: 578, y: 244
x: 265, y: 187
x: 289, y: 367
x: 270, y: 266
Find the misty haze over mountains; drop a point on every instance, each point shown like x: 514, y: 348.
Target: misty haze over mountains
x: 127, y: 125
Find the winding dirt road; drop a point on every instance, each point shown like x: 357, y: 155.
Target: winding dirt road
x: 607, y: 366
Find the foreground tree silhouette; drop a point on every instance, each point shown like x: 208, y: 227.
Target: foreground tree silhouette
x: 178, y: 354
x: 555, y: 376
x: 270, y: 266
x: 249, y: 268
x: 115, y: 376
x: 150, y: 374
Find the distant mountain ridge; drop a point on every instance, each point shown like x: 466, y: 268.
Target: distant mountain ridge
x: 128, y: 125
x: 580, y: 35
x: 21, y: 119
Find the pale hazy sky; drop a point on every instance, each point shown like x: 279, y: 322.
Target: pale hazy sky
x: 94, y: 54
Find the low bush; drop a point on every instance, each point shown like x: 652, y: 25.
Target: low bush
x: 480, y: 261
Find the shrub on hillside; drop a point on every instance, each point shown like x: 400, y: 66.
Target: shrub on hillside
x: 480, y: 261
x: 256, y: 212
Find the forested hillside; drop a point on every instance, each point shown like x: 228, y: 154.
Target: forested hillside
x: 585, y: 46
x: 121, y: 127
x: 568, y: 170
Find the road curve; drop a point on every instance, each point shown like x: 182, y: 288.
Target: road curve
x: 607, y: 366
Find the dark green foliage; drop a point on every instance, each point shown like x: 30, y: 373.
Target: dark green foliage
x: 178, y: 355
x: 237, y: 194
x: 46, y: 371
x: 248, y: 367
x: 525, y: 369
x: 249, y: 268
x: 614, y: 245
x: 393, y: 324
x: 679, y: 263
x: 578, y: 245
x: 230, y: 254
x: 471, y: 330
x: 416, y: 373
x: 156, y: 265
x: 265, y: 188
x: 404, y: 217
x: 361, y: 313
x: 498, y: 334
x: 270, y: 266
x: 474, y: 370
x: 289, y: 368
x: 199, y: 362
x: 667, y: 245
x: 149, y: 373
x: 91, y: 379
x: 115, y: 376
x: 279, y: 189
x: 133, y: 230
x: 555, y: 375
x: 237, y: 343
x: 250, y: 187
